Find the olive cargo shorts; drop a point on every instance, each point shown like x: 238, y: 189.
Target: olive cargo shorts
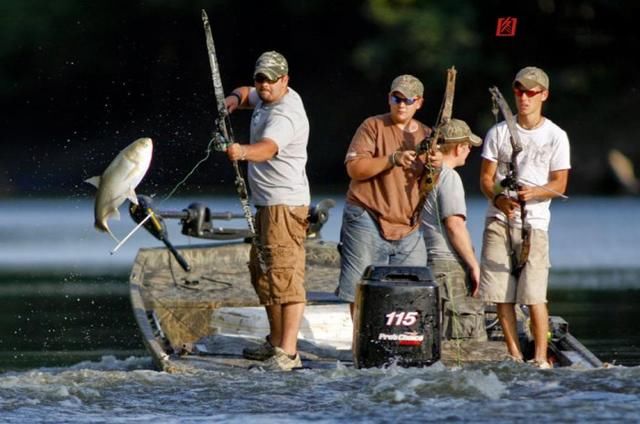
x: 281, y: 230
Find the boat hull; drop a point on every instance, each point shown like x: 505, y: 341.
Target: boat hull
x: 203, y: 318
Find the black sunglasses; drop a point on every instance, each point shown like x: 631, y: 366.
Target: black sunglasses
x: 397, y: 100
x: 260, y: 79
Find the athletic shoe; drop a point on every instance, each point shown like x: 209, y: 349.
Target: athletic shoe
x: 261, y: 352
x: 543, y: 365
x: 515, y: 359
x: 282, y: 362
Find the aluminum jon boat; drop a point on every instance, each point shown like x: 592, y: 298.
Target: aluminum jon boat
x: 196, y: 309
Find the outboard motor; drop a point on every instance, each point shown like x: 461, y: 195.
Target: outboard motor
x: 396, y: 317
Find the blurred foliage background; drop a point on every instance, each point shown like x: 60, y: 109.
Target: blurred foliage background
x: 80, y: 80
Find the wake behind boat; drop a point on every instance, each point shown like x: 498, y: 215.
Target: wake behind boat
x: 196, y: 308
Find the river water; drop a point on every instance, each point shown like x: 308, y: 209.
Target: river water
x: 70, y: 352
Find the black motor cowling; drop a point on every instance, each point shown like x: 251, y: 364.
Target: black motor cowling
x: 396, y: 317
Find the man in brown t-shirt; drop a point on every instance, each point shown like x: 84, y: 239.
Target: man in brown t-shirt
x: 378, y: 224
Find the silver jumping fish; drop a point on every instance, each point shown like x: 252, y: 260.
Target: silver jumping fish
x: 118, y: 181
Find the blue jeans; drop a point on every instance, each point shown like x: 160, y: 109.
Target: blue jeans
x: 362, y: 245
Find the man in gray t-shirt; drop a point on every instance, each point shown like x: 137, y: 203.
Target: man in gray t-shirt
x: 276, y: 156
x: 449, y: 249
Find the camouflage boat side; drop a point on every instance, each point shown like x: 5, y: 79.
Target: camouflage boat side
x: 178, y: 312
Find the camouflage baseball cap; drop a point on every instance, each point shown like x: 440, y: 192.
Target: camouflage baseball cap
x: 407, y: 85
x: 272, y: 65
x: 457, y: 131
x: 531, y: 77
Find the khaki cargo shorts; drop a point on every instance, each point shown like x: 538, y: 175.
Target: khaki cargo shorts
x: 282, y: 231
x: 496, y: 282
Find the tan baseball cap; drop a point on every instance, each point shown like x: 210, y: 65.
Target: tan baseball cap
x: 457, y: 131
x: 531, y: 77
x: 407, y: 85
x: 272, y: 65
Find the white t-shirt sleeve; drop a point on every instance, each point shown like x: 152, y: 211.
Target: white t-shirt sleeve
x: 560, y: 155
x: 490, y: 145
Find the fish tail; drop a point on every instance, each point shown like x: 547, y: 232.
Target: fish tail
x: 113, y: 237
x: 102, y: 226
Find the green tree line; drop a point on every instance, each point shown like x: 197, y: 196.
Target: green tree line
x: 80, y: 80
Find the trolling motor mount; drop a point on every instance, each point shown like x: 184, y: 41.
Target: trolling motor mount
x: 197, y: 221
x: 153, y: 223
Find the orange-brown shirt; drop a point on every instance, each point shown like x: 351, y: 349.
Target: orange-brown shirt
x: 391, y: 196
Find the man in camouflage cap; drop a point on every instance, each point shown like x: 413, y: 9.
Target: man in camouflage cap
x: 450, y: 251
x: 456, y: 131
x: 378, y: 225
x: 276, y: 159
x: 532, y: 77
x: 407, y: 85
x: 271, y: 65
x: 543, y: 170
